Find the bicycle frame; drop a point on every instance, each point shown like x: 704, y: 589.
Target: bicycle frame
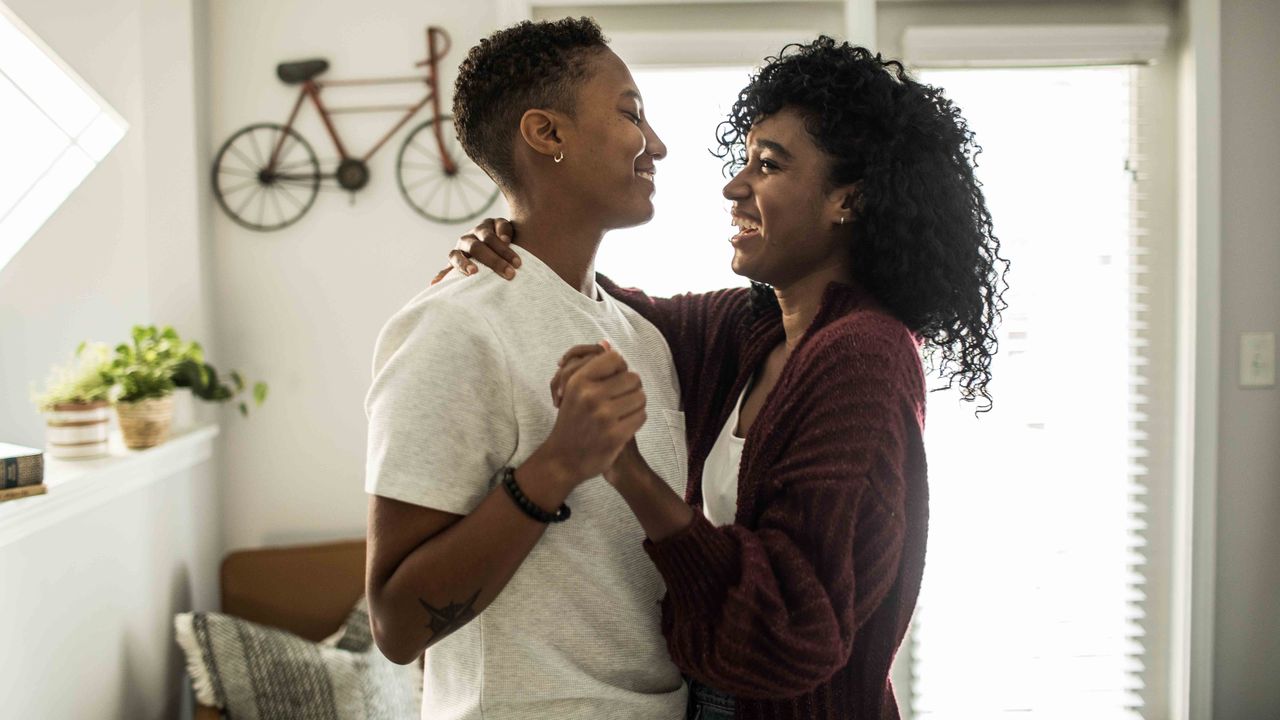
x: 311, y: 89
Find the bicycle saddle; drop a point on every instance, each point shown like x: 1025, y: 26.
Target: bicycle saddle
x: 301, y: 71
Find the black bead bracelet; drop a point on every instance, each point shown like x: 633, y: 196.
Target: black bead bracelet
x: 528, y: 506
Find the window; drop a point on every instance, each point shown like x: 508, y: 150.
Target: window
x: 53, y: 131
x: 686, y: 245
x: 1034, y: 587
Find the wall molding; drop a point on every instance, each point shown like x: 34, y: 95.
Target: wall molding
x: 1033, y: 45
x: 1199, y: 359
x: 700, y: 48
x: 78, y: 486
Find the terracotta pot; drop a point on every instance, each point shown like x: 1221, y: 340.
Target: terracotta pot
x: 145, y: 423
x: 77, y: 430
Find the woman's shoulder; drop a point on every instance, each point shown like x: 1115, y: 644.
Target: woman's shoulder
x: 867, y: 344
x: 868, y: 328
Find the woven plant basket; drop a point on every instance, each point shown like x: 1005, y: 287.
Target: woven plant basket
x: 145, y: 423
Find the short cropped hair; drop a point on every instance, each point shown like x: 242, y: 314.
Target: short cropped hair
x: 529, y: 65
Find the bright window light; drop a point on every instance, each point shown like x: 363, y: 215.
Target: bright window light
x: 1033, y: 595
x: 53, y: 131
x: 1033, y: 590
x: 685, y: 248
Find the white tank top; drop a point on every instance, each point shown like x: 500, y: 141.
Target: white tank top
x: 720, y: 472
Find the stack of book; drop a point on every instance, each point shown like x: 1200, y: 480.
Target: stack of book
x: 21, y: 472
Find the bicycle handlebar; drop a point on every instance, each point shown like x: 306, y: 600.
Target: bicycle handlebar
x: 437, y: 32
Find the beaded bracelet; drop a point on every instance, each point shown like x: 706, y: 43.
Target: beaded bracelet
x: 527, y: 505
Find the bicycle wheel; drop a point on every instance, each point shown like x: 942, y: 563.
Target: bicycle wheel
x: 435, y: 194
x: 260, y: 198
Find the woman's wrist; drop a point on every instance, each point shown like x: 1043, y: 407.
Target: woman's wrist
x: 545, y: 481
x: 629, y: 467
x: 659, y: 509
x: 629, y: 478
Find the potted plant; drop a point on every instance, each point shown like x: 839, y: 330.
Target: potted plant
x: 153, y: 371
x: 76, y: 404
x: 195, y: 375
x: 143, y: 372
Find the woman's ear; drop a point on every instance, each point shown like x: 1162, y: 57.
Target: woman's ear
x: 541, y: 132
x: 851, y: 202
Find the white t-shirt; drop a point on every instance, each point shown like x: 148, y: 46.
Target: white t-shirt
x: 720, y: 472
x: 461, y: 390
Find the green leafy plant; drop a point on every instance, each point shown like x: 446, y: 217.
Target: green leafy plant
x: 152, y: 366
x: 205, y: 384
x: 160, y: 361
x: 85, y: 379
x: 144, y: 369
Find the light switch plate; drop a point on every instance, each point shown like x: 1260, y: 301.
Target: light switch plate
x: 1257, y: 359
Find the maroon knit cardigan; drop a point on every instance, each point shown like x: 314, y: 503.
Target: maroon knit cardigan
x: 798, y: 607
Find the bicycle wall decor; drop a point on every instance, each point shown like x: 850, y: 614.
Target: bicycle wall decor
x: 266, y: 175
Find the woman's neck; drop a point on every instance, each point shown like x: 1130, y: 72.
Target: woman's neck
x: 801, y: 300
x: 566, y: 247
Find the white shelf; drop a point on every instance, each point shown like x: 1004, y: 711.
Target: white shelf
x: 76, y: 486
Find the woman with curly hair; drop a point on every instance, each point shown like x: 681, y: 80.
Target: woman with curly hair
x: 793, y: 564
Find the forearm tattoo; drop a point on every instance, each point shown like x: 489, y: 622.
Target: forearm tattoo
x: 450, y: 617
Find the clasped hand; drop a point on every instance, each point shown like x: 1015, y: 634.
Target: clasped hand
x: 601, y: 402
x: 601, y: 407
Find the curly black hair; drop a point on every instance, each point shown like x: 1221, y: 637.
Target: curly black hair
x: 923, y: 240
x: 528, y: 65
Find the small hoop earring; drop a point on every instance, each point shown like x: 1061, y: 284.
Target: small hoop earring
x: 559, y: 156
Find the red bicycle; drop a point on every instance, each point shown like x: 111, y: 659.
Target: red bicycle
x: 266, y: 175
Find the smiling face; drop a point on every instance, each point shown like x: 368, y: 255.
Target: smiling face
x: 609, y: 148
x: 784, y: 206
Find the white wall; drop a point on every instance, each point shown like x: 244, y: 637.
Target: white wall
x: 302, y: 307
x: 1247, y: 607
x: 89, y: 603
x: 88, y: 624
x: 804, y: 18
